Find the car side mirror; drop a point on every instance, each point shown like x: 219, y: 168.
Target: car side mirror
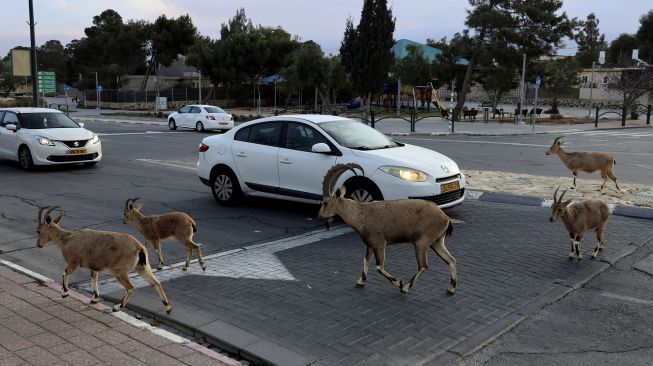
x: 81, y: 124
x: 321, y: 148
x: 11, y: 127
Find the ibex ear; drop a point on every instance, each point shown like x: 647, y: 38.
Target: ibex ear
x: 138, y: 203
x: 48, y: 220
x: 130, y: 205
x: 567, y: 203
x: 342, y: 190
x: 559, y: 142
x: 58, y: 219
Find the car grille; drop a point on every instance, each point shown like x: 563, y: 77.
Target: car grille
x: 71, y: 158
x: 445, y: 179
x: 71, y: 144
x: 443, y: 199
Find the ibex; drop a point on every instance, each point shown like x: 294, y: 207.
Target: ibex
x: 381, y: 223
x: 585, y: 161
x: 579, y: 217
x: 160, y: 227
x: 99, y: 251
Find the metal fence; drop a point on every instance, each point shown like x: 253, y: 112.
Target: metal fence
x: 146, y: 96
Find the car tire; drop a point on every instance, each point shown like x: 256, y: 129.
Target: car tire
x: 225, y: 188
x: 172, y: 125
x: 362, y: 191
x: 25, y: 158
x: 199, y: 127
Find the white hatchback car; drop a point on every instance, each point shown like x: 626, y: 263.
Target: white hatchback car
x: 287, y: 157
x: 43, y: 136
x: 201, y: 117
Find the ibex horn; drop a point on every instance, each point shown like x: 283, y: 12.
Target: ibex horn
x: 562, y: 195
x: 50, y: 209
x: 332, y: 175
x: 556, y: 140
x: 39, y: 215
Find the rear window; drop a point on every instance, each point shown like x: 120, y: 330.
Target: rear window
x: 213, y: 110
x: 37, y: 121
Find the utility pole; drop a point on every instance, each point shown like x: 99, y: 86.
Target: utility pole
x: 521, y: 90
x: 200, y: 85
x: 35, y: 90
x: 97, y: 91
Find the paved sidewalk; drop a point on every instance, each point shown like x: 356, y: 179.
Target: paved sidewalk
x: 38, y: 327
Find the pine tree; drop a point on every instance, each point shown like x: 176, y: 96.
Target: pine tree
x: 590, y: 41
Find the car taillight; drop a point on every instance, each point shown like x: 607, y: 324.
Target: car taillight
x: 204, y: 147
x: 211, y: 118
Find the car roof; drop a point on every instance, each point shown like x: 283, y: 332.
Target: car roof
x: 315, y: 118
x: 31, y: 110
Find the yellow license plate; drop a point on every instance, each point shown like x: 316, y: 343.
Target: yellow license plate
x: 76, y: 151
x: 448, y: 187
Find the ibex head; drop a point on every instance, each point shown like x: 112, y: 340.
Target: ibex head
x: 555, y: 146
x: 558, y: 207
x: 333, y: 199
x: 131, y: 205
x: 44, y: 231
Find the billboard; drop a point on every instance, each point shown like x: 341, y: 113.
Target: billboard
x: 20, y: 64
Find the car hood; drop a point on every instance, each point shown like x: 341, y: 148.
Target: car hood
x: 415, y: 157
x: 61, y: 134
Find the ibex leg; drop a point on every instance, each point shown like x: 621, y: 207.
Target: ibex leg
x: 124, y: 280
x: 380, y: 262
x: 96, y: 292
x: 443, y: 253
x: 157, y: 248
x: 366, y: 264
x: 146, y: 273
x: 67, y: 272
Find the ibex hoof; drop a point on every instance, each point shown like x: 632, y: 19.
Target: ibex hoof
x: 450, y: 292
x: 185, y: 268
x: 359, y: 285
x: 64, y: 295
x: 168, y: 309
x: 116, y: 308
x: 404, y: 288
x: 159, y: 268
x: 94, y: 301
x: 203, y: 267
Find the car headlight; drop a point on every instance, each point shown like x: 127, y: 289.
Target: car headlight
x: 45, y: 141
x: 408, y: 174
x: 95, y: 139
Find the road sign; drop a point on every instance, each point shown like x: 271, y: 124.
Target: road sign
x: 99, y: 88
x: 47, y: 82
x: 65, y: 88
x: 538, y: 81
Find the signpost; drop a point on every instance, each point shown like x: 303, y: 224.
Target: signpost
x: 99, y: 97
x: 538, y: 81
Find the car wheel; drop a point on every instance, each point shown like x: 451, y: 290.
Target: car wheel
x: 171, y: 124
x: 364, y: 192
x: 225, y: 188
x: 199, y: 127
x: 25, y: 158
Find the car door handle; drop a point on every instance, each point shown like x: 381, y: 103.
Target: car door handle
x: 241, y: 154
x: 285, y: 161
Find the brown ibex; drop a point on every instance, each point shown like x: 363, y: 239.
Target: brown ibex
x: 585, y: 161
x: 579, y: 217
x: 382, y: 223
x: 99, y: 251
x: 160, y: 227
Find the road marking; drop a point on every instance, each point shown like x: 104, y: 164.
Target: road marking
x: 627, y: 298
x: 176, y: 164
x: 253, y: 262
x: 476, y: 142
x: 135, y: 133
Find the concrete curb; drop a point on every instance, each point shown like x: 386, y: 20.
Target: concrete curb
x: 619, y: 210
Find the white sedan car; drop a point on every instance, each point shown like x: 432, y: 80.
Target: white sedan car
x: 43, y: 136
x: 286, y: 157
x: 201, y: 117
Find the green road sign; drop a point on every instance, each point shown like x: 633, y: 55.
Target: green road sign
x: 47, y: 82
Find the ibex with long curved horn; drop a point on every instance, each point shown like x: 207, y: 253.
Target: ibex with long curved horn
x: 382, y: 223
x: 579, y: 217
x: 99, y: 251
x: 585, y: 161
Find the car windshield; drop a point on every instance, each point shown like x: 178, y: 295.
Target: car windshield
x: 214, y: 110
x: 37, y: 121
x: 356, y: 135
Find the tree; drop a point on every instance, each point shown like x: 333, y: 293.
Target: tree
x: 448, y: 67
x: 632, y: 83
x: 621, y: 49
x: 7, y: 84
x: 532, y: 27
x: 414, y: 68
x: 559, y: 76
x: 166, y: 39
x: 645, y: 37
x: 590, y: 41
x: 368, y: 50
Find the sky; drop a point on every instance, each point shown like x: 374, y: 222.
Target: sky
x: 322, y: 21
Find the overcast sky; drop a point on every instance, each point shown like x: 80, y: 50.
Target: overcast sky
x: 322, y: 21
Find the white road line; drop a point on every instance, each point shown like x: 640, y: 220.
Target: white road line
x: 135, y: 133
x: 476, y: 142
x: 627, y: 298
x: 176, y: 164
